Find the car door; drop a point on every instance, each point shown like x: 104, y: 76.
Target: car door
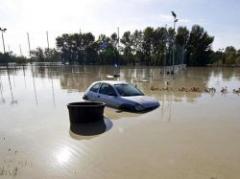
x: 93, y: 92
x: 108, y: 95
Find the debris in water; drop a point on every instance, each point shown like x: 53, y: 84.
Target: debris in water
x: 195, y: 89
x: 210, y: 90
x: 153, y: 88
x: 14, y: 173
x: 224, y: 89
x: 236, y: 90
x: 183, y: 89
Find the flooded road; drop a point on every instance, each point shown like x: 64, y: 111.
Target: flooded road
x: 193, y: 134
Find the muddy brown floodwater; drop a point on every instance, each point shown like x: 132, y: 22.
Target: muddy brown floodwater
x: 192, y: 135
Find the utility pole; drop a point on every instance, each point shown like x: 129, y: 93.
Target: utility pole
x: 29, y: 47
x: 47, y: 40
x: 3, y: 30
x: 20, y: 50
x: 118, y: 36
x: 47, y: 46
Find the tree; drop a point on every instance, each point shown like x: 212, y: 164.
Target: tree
x: 148, y: 37
x: 106, y: 49
x: 77, y: 48
x: 127, y: 49
x: 217, y: 57
x: 182, y: 38
x: 230, y: 55
x: 159, y: 43
x: 199, y: 47
x: 148, y: 47
x: 45, y: 55
x: 137, y: 46
x: 9, y: 57
x: 51, y: 55
x: 63, y: 44
x: 38, y: 55
x: 114, y: 43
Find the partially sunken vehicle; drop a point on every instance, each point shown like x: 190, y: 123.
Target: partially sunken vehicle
x: 121, y: 95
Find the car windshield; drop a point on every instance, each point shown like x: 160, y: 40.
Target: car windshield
x: 128, y: 90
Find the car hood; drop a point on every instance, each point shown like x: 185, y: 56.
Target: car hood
x: 145, y: 101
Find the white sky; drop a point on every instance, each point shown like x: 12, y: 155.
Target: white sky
x: 97, y: 16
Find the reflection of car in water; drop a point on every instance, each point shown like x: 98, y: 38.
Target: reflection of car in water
x: 119, y: 94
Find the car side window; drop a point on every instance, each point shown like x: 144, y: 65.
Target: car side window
x: 107, y: 89
x: 95, y: 88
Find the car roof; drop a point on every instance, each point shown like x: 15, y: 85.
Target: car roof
x: 111, y: 82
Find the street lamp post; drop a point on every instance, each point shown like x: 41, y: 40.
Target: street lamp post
x: 3, y: 30
x: 118, y: 59
x: 175, y: 20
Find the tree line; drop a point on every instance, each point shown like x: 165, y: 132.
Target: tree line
x: 151, y: 46
x: 11, y: 58
x: 229, y: 56
x: 159, y: 46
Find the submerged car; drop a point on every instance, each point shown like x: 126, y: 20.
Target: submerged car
x: 119, y: 94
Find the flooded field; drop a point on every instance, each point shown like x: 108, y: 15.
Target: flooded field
x: 193, y: 134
